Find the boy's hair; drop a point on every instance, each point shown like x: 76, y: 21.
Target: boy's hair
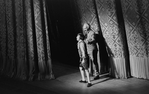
x: 81, y: 36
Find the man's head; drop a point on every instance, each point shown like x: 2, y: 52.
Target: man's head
x: 86, y: 26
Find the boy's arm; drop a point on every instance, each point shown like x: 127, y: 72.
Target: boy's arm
x: 82, y: 48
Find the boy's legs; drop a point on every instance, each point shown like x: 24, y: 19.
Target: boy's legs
x: 87, y: 75
x: 82, y: 73
x: 88, y: 78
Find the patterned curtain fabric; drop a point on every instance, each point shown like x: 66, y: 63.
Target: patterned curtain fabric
x: 113, y: 36
x: 87, y: 11
x: 24, y: 41
x: 136, y: 17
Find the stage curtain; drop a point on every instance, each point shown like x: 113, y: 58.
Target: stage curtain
x: 114, y: 34
x: 136, y: 17
x: 106, y: 19
x: 24, y: 40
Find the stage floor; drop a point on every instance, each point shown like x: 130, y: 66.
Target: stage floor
x: 67, y: 82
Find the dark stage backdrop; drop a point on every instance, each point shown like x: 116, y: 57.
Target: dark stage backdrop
x: 124, y: 27
x: 65, y: 26
x: 24, y: 42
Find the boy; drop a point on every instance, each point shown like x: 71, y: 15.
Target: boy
x: 84, y: 62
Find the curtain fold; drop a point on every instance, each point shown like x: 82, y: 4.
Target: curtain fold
x: 114, y: 36
x: 3, y: 35
x: 137, y: 26
x: 25, y: 45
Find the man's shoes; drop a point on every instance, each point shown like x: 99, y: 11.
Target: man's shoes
x: 89, y: 84
x: 96, y: 77
x: 81, y: 81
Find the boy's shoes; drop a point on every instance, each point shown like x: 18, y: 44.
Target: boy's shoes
x: 96, y: 77
x: 89, y: 84
x: 81, y: 81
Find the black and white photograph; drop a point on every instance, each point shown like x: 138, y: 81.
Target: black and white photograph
x: 74, y: 46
